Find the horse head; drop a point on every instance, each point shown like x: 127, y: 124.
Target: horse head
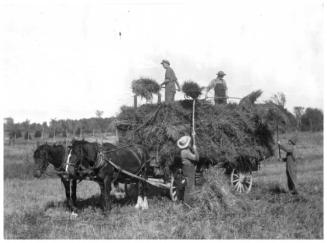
x: 41, y: 159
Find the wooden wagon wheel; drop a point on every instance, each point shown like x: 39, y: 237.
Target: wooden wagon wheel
x: 172, y: 190
x: 241, y: 182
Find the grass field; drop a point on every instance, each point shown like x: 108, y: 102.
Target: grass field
x: 35, y: 209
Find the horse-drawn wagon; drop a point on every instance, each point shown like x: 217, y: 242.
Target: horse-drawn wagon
x: 240, y: 176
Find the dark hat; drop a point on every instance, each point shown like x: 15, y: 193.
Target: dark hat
x: 165, y: 61
x: 221, y: 73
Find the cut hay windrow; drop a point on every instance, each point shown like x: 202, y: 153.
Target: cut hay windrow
x: 237, y: 135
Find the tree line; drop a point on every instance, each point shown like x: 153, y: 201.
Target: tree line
x: 59, y: 128
x: 302, y: 119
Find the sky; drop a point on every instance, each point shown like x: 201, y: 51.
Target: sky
x: 66, y: 59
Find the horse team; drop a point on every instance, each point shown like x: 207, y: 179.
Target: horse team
x: 102, y: 163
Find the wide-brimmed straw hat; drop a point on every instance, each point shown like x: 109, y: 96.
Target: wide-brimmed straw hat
x: 293, y: 140
x: 183, y: 142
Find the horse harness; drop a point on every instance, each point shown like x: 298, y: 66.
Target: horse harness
x: 102, y: 160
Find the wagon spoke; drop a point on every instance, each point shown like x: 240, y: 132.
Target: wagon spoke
x: 236, y: 186
x: 242, y: 188
x: 239, y: 186
x: 236, y: 175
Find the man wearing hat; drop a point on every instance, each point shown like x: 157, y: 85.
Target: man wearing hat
x: 169, y: 83
x: 189, y: 159
x: 219, y: 85
x: 290, y: 164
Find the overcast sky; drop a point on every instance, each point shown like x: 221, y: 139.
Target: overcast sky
x: 66, y: 59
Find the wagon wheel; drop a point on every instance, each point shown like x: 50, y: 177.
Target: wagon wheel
x: 241, y: 182
x: 172, y: 190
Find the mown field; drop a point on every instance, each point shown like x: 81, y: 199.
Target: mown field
x: 35, y: 208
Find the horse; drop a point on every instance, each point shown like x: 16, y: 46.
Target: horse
x: 105, y: 162
x: 46, y: 154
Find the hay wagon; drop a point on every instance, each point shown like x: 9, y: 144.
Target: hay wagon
x: 241, y: 179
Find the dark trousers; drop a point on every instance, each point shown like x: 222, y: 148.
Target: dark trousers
x: 169, y: 96
x: 291, y: 183
x: 220, y: 101
x: 189, y: 173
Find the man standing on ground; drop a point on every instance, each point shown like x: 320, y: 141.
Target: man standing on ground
x: 220, y: 87
x: 290, y: 164
x: 170, y: 82
x: 189, y: 160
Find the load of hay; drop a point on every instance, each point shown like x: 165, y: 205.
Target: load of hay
x: 191, y: 89
x: 145, y: 88
x: 235, y: 135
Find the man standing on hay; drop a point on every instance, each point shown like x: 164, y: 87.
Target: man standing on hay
x: 169, y: 83
x: 290, y: 164
x: 188, y: 158
x: 220, y: 87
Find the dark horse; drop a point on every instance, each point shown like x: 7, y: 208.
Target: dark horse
x: 47, y: 154
x: 94, y: 160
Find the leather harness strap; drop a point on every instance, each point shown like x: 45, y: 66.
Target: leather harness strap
x: 136, y: 156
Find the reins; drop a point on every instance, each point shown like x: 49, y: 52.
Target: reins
x: 119, y: 148
x: 129, y: 173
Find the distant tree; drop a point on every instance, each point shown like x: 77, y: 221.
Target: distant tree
x: 298, y: 111
x: 38, y: 134
x: 9, y: 127
x: 64, y: 134
x: 63, y: 127
x: 26, y: 126
x: 44, y: 128
x: 16, y: 133
x: 98, y: 113
x: 78, y: 132
x: 9, y: 124
x: 279, y: 99
x: 53, y: 128
x: 312, y: 120
x: 27, y: 136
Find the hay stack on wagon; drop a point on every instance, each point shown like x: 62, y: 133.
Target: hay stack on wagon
x: 145, y: 88
x: 231, y: 135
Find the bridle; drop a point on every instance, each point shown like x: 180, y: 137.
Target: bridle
x: 68, y: 163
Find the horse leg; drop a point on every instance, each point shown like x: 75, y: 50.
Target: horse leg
x: 102, y: 199
x: 106, y: 196
x: 67, y: 192
x: 74, y: 192
x: 145, y: 204
x: 144, y: 189
x: 139, y: 202
x: 71, y: 200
